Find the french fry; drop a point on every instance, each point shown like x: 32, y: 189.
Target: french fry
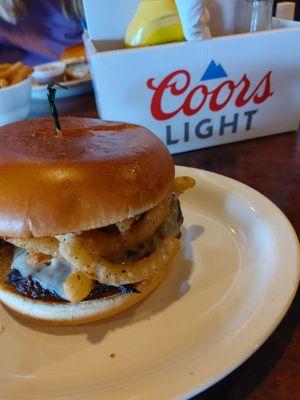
x: 3, y: 83
x: 4, y: 66
x: 21, y: 74
x: 10, y: 74
x: 11, y: 71
x: 183, y: 183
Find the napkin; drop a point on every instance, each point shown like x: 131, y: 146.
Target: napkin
x: 194, y: 18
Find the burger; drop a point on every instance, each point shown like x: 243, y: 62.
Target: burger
x: 89, y: 219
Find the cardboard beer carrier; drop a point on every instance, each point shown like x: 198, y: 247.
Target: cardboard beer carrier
x: 196, y: 94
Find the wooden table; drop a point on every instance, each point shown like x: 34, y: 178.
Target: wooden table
x: 271, y: 166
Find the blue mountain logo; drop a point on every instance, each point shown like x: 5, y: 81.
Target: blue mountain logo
x: 214, y: 71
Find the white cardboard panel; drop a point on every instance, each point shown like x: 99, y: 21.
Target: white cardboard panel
x: 109, y: 19
x: 265, y: 58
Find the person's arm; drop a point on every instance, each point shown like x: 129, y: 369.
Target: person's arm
x: 12, y: 11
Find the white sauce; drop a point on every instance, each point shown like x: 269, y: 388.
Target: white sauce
x: 51, y: 276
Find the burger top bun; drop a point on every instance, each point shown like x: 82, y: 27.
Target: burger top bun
x: 74, y: 51
x: 95, y: 174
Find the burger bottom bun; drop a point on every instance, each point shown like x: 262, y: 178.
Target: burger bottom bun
x: 55, y: 313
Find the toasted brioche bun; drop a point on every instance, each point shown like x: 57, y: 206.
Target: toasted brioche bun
x: 96, y: 174
x: 75, y: 51
x: 56, y: 313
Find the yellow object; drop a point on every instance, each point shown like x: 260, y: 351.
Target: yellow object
x: 155, y: 22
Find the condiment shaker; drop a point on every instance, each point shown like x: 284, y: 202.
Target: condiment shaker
x: 253, y: 15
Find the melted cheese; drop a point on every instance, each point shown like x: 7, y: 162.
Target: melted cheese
x: 50, y: 276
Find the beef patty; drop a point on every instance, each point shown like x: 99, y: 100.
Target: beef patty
x: 29, y: 287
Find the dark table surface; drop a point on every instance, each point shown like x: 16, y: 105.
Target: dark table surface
x: 272, y: 166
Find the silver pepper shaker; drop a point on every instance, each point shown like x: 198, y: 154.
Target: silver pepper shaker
x: 253, y: 15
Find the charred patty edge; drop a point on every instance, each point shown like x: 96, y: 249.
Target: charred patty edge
x: 29, y: 287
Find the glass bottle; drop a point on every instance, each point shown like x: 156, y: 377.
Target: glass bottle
x: 253, y: 15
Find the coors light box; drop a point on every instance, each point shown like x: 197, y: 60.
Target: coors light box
x: 196, y: 94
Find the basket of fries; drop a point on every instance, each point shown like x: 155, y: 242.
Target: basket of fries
x: 15, y: 90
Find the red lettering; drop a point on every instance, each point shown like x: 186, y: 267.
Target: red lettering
x: 186, y: 108
x: 172, y: 86
x: 267, y: 89
x: 242, y: 99
x: 178, y: 83
x: 214, y: 105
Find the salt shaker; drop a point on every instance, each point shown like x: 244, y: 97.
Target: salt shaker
x: 253, y: 15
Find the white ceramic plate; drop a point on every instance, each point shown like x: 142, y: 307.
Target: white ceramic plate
x: 233, y: 281
x: 75, y: 87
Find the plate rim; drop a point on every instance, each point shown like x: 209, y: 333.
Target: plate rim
x: 73, y: 82
x: 285, y: 306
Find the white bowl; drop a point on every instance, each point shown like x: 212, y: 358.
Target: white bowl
x: 15, y: 102
x: 45, y: 73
